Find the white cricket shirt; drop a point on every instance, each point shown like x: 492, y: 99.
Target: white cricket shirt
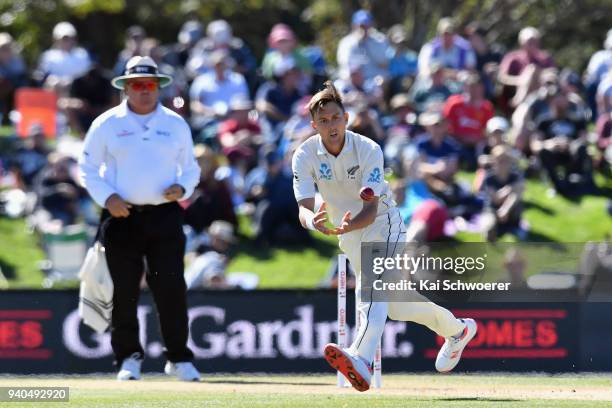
x: 339, y: 179
x: 136, y: 161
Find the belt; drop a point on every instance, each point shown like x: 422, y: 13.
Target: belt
x: 146, y: 207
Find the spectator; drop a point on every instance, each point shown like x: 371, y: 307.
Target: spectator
x: 239, y: 162
x: 599, y: 65
x: 358, y: 89
x: 363, y: 42
x: 364, y: 120
x: 604, y: 141
x: 403, y: 62
x: 191, y: 32
x: 276, y: 215
x: 212, y: 198
x: 497, y: 134
x: 603, y: 95
x: 208, y: 268
x: 211, y: 92
x: 219, y: 36
x: 89, y: 96
x: 520, y: 68
x: 283, y: 44
x: 503, y: 191
x: 58, y: 192
x: 401, y: 131
x: 60, y: 65
x: 275, y: 99
x: 561, y: 141
x: 31, y: 158
x: 488, y: 57
x: 298, y: 127
x: 467, y: 115
x: 448, y: 49
x: 240, y: 127
x: 13, y: 74
x: 134, y: 38
x: 434, y: 90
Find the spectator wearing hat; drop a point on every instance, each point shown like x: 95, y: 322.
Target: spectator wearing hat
x: 147, y: 152
x: 275, y: 99
x: 357, y: 89
x: 427, y: 92
x: 13, y: 74
x: 134, y: 37
x: 240, y: 127
x: 518, y: 68
x: 212, y: 91
x: 364, y: 42
x: 503, y: 191
x: 467, y: 115
x: 497, y: 134
x: 30, y: 158
x: 190, y: 33
x: 599, y: 66
x: 448, y: 49
x: 283, y: 44
x: 276, y: 218
x: 60, y: 65
x: 207, y: 271
x: 212, y: 198
x: 403, y: 62
x: 219, y: 36
x: 401, y: 130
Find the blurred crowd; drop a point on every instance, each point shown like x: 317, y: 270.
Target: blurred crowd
x: 460, y: 103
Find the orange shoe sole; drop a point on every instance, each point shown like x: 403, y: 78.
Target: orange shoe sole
x: 338, y: 361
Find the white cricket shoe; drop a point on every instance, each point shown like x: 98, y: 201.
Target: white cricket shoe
x: 184, y: 371
x: 130, y: 368
x: 352, y: 367
x: 450, y: 353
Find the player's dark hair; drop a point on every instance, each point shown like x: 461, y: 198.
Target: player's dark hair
x: 326, y: 95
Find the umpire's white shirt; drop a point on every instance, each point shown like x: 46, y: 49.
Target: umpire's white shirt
x: 136, y: 161
x: 339, y: 179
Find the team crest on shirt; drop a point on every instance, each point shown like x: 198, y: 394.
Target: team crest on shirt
x: 351, y: 173
x: 325, y: 172
x: 375, y: 176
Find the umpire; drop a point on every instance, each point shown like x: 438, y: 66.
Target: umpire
x: 137, y: 162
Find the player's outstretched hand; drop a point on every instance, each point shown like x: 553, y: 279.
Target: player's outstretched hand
x: 345, y: 225
x: 320, y: 218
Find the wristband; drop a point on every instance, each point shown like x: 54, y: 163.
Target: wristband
x: 309, y: 221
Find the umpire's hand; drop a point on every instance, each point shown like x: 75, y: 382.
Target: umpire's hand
x: 174, y: 192
x: 117, y: 207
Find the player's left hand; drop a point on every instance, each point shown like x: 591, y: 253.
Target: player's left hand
x: 174, y: 192
x: 345, y: 225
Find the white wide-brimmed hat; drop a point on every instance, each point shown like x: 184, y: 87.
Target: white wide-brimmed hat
x: 141, y: 67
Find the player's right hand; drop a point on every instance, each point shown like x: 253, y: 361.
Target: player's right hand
x: 320, y: 218
x: 117, y: 207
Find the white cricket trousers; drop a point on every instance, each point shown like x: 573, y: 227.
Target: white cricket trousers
x: 390, y: 228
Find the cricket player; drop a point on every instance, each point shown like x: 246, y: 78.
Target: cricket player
x: 347, y: 169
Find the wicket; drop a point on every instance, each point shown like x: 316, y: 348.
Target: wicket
x: 342, y: 325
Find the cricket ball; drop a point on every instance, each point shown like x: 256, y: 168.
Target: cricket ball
x: 366, y: 194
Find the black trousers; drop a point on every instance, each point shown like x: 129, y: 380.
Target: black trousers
x: 154, y: 233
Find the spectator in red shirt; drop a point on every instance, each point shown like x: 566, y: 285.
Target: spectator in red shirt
x: 467, y: 115
x: 520, y: 68
x: 240, y: 127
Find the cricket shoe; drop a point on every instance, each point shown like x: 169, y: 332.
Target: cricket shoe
x: 352, y: 367
x: 450, y: 353
x: 130, y: 368
x: 184, y: 371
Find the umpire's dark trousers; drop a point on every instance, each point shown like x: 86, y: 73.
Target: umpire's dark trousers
x: 154, y: 233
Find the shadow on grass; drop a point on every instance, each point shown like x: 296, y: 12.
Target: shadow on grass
x: 537, y: 206
x: 269, y: 382
x: 252, y: 248
x: 8, y: 270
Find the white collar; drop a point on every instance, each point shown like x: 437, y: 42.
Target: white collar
x: 348, y: 144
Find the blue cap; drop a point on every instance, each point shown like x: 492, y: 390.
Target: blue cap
x: 362, y: 17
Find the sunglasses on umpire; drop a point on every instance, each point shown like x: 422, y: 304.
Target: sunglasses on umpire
x: 142, y: 86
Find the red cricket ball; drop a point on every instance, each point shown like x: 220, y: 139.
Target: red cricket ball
x: 366, y: 194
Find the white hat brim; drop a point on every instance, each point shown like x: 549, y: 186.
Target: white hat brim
x: 119, y: 82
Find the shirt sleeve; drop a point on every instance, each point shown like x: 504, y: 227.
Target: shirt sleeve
x: 189, y: 171
x: 93, y: 156
x: 303, y: 180
x: 373, y: 175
